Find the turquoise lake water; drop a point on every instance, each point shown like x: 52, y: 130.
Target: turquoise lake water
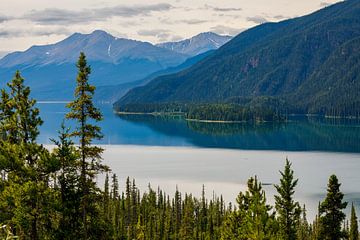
x: 170, y: 152
x: 299, y: 134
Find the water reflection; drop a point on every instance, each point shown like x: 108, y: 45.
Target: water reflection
x: 299, y: 134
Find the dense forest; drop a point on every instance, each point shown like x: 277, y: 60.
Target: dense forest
x: 231, y: 112
x: 311, y: 63
x: 225, y: 112
x: 53, y: 194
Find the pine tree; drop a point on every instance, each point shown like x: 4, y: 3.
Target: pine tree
x: 354, y: 231
x: 303, y: 229
x: 253, y: 219
x: 331, y: 215
x: 83, y: 111
x: 67, y: 178
x: 188, y: 223
x: 25, y: 116
x: 28, y: 166
x: 7, y: 129
x: 287, y: 209
x: 106, y: 199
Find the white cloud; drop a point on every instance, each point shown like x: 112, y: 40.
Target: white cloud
x: 42, y: 21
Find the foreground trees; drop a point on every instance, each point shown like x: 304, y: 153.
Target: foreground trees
x: 25, y: 199
x: 288, y: 210
x: 82, y: 110
x: 354, y: 230
x: 331, y: 212
x: 53, y: 195
x: 253, y: 219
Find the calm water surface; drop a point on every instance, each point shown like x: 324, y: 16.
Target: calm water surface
x: 300, y: 134
x: 170, y: 152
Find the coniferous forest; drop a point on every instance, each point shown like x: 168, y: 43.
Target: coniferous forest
x: 53, y: 194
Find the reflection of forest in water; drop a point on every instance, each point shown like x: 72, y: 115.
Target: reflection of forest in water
x: 299, y: 134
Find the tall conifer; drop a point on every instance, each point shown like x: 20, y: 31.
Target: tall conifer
x: 354, y: 230
x: 83, y: 111
x: 287, y: 209
x: 331, y: 212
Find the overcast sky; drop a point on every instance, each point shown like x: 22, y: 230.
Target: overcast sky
x: 24, y: 23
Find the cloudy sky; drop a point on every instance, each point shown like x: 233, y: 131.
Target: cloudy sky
x: 35, y: 22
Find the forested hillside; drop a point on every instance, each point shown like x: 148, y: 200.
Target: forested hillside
x: 310, y: 62
x: 54, y: 195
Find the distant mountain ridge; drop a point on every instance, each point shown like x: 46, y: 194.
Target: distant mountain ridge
x: 308, y: 64
x: 114, y: 61
x: 198, y: 44
x: 98, y: 46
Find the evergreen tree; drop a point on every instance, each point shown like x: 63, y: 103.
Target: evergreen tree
x: 25, y: 116
x: 256, y: 221
x: 287, y: 209
x: 7, y: 129
x: 354, y: 231
x: 188, y: 223
x: 27, y: 165
x: 83, y: 111
x: 303, y: 229
x: 67, y: 179
x: 331, y: 215
x: 106, y: 199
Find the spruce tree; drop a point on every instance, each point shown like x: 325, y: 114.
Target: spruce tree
x: 83, y: 111
x: 7, y: 129
x: 28, y: 165
x: 303, y: 229
x: 68, y: 180
x: 287, y: 209
x: 253, y: 219
x: 331, y: 212
x: 354, y: 231
x: 25, y: 116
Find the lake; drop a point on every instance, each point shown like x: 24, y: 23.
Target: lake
x: 170, y: 152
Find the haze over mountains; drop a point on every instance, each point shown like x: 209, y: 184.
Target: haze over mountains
x: 114, y: 61
x: 307, y: 64
x: 198, y: 44
x: 112, y: 93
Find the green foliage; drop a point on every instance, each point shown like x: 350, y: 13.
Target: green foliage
x: 226, y: 112
x: 83, y: 111
x: 303, y: 229
x: 27, y: 202
x: 67, y: 178
x: 231, y: 112
x: 253, y: 219
x: 288, y: 211
x: 310, y: 63
x: 331, y: 215
x: 354, y: 229
x: 43, y: 193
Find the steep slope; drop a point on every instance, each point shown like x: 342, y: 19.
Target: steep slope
x: 283, y: 60
x: 112, y: 93
x: 198, y: 44
x: 113, y: 60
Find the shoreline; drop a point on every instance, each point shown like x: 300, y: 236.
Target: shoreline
x: 177, y: 114
x: 223, y: 121
x: 205, y: 149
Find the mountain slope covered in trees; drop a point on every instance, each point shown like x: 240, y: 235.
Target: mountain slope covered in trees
x: 111, y: 93
x: 310, y: 63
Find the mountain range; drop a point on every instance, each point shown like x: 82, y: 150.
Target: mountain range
x: 198, y: 44
x: 114, y: 61
x: 309, y: 64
